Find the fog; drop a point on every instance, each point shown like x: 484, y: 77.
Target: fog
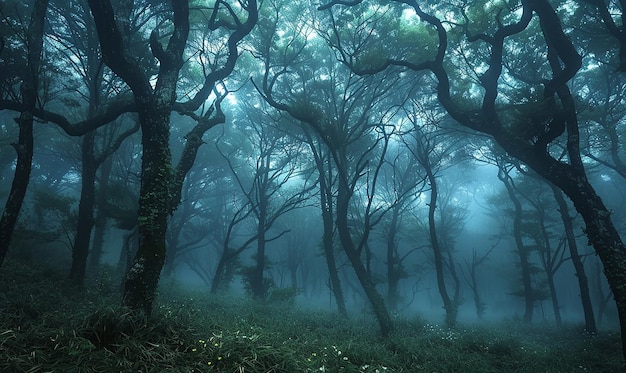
x: 458, y: 163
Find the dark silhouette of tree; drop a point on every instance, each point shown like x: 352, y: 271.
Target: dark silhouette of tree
x: 529, y: 293
x: 581, y: 276
x: 539, y: 229
x: 326, y: 182
x: 346, y: 114
x: 347, y: 120
x: 29, y: 92
x: 435, y: 148
x: 470, y: 274
x: 263, y: 178
x: 401, y: 185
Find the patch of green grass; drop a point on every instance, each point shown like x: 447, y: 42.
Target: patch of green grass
x: 47, y: 325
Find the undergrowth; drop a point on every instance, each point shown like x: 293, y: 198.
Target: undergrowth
x: 47, y: 325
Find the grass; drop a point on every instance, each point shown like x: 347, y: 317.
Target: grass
x: 46, y: 325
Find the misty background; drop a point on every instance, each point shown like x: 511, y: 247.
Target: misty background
x: 315, y: 164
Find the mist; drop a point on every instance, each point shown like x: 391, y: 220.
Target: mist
x: 298, y: 186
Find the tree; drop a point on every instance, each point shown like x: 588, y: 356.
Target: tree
x: 581, y: 276
x: 271, y: 183
x: 351, y: 116
x: 29, y: 91
x: 326, y: 182
x: 154, y: 104
x: 539, y: 229
x: 470, y: 275
x: 434, y: 149
x: 529, y: 293
x: 526, y: 135
x: 340, y: 109
x: 401, y: 184
x: 77, y: 44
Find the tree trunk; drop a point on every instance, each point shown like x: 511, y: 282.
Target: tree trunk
x: 329, y: 255
x: 80, y: 250
x: 376, y: 300
x: 478, y: 304
x: 555, y: 299
x: 550, y: 263
x: 448, y: 304
x: 522, y: 251
x: 154, y: 106
x: 583, y: 284
x: 154, y: 202
x: 216, y: 283
x: 602, y: 298
x: 24, y: 146
x: 324, y: 169
x: 257, y: 280
x: 604, y: 238
x: 101, y: 219
x: 393, y: 262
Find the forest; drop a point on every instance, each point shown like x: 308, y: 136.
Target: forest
x: 312, y: 186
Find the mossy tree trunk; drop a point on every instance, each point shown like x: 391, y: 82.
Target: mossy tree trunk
x: 156, y: 172
x: 154, y: 107
x: 154, y: 101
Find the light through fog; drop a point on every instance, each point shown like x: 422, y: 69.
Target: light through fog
x: 296, y: 186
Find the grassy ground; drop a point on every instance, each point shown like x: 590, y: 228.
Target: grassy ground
x: 48, y: 326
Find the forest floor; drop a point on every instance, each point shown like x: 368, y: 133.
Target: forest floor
x: 46, y: 325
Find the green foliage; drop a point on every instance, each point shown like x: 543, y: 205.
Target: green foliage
x: 372, y: 59
x: 386, y: 34
x: 51, y: 218
x: 285, y: 296
x: 232, y: 268
x: 247, y: 278
x: 122, y: 205
x: 49, y: 204
x: 108, y: 280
